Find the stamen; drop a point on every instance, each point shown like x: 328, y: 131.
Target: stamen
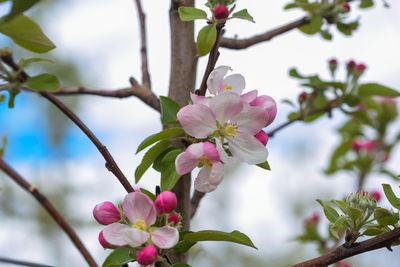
x: 206, y: 162
x: 227, y: 87
x: 140, y: 224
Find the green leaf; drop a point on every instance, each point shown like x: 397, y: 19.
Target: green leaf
x: 210, y: 235
x: 326, y: 35
x: 385, y: 217
x: 347, y: 28
x: 191, y: 13
x: 338, y: 227
x: 366, y: 3
x: 290, y: 6
x: 395, y: 201
x: 374, y: 89
x: 374, y: 230
x: 43, y: 82
x: 314, y: 26
x: 27, y: 33
x: 149, y: 158
x: 330, y: 213
x: 295, y: 74
x: 183, y: 246
x: 313, y: 117
x: 169, y: 176
x: 390, y: 174
x: 158, y: 136
x: 264, y: 165
x: 206, y: 39
x: 293, y: 116
x: 354, y: 213
x: 243, y: 14
x: 25, y: 62
x: 181, y: 264
x: 118, y: 257
x: 148, y: 193
x: 169, y: 108
x: 3, y: 146
x: 18, y: 7
x: 341, y: 204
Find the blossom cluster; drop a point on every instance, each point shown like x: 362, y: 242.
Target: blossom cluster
x: 225, y: 127
x: 143, y: 225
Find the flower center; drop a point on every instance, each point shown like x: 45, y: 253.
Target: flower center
x: 204, y: 161
x: 227, y: 87
x: 230, y: 129
x: 140, y: 224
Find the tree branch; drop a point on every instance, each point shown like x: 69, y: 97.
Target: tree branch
x: 233, y: 43
x: 48, y: 206
x: 381, y: 241
x: 23, y: 263
x: 143, y: 50
x: 111, y: 165
x: 195, y: 201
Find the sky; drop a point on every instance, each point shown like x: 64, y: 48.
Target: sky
x: 103, y: 36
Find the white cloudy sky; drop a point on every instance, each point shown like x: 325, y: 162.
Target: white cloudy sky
x: 104, y: 36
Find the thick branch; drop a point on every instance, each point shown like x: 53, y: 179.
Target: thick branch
x: 233, y: 43
x: 143, y: 50
x: 381, y: 241
x: 140, y: 92
x: 110, y: 162
x: 48, y: 206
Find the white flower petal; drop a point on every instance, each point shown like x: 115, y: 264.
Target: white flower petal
x: 226, y: 106
x: 197, y: 120
x: 197, y: 99
x: 247, y: 148
x: 251, y: 120
x: 138, y: 206
x: 114, y: 234
x: 209, y: 178
x: 135, y: 237
x: 215, y: 80
x: 249, y: 96
x: 185, y: 163
x: 165, y: 237
x: 236, y: 81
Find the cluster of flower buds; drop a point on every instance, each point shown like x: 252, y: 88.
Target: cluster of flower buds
x: 363, y: 145
x: 363, y: 201
x: 355, y: 69
x: 304, y: 96
x: 143, y: 225
x: 225, y: 127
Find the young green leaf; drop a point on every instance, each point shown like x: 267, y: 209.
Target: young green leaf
x: 347, y: 28
x: 385, y: 217
x: 25, y: 62
x: 264, y: 165
x: 118, y: 257
x: 374, y: 89
x: 43, y: 82
x: 366, y: 3
x: 27, y: 33
x: 149, y: 158
x: 158, y: 136
x: 395, y: 201
x: 148, y: 193
x: 191, y: 13
x: 314, y: 26
x: 374, y: 230
x: 354, y: 213
x: 169, y: 108
x: 338, y: 227
x: 180, y: 264
x: 18, y: 7
x: 210, y: 235
x: 206, y: 39
x: 169, y: 176
x: 243, y: 14
x: 330, y: 213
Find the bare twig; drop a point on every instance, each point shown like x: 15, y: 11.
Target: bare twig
x: 212, y: 60
x: 143, y: 50
x: 110, y: 162
x: 23, y: 263
x: 48, y: 206
x: 195, y: 201
x: 381, y: 241
x: 137, y: 90
x: 233, y: 43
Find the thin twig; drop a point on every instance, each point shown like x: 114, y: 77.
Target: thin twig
x: 23, y: 263
x: 381, y: 241
x: 143, y: 50
x: 212, y: 60
x: 137, y: 90
x: 195, y: 201
x: 48, y: 206
x: 111, y: 165
x: 233, y: 43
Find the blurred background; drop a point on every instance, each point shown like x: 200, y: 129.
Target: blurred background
x: 98, y: 47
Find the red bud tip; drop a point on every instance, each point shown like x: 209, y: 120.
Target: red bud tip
x: 147, y: 255
x: 314, y: 94
x: 333, y: 62
x: 361, y: 67
x: 346, y: 6
x: 303, y: 97
x: 376, y: 195
x: 351, y: 65
x: 174, y: 219
x: 221, y: 12
x: 314, y: 219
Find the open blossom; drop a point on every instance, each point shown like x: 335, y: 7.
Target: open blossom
x: 263, y: 101
x: 218, y: 83
x: 206, y: 155
x: 228, y: 116
x: 142, y: 214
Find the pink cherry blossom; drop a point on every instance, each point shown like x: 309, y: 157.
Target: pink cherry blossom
x: 106, y: 213
x: 227, y: 116
x: 142, y: 214
x: 206, y: 155
x: 218, y: 83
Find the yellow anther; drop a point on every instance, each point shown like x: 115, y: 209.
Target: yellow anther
x: 231, y: 129
x: 227, y: 87
x: 206, y: 162
x: 140, y: 224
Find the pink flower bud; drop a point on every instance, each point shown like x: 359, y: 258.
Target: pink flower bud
x: 106, y: 213
x: 343, y: 264
x: 221, y: 12
x: 314, y: 219
x: 351, y: 65
x: 360, y: 68
x: 303, y: 97
x: 147, y: 255
x: 376, y: 195
x: 360, y: 144
x: 103, y: 241
x: 174, y: 219
x: 333, y: 62
x: 166, y: 202
x: 262, y: 137
x: 346, y: 7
